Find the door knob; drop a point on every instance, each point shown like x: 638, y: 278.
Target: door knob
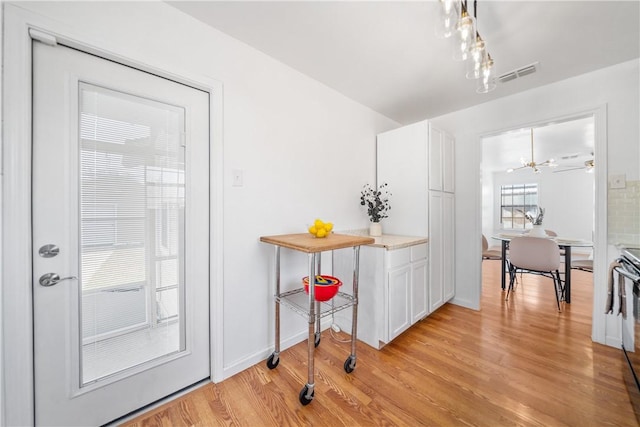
x: 51, y: 279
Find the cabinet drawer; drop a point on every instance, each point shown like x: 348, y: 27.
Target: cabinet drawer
x: 398, y: 257
x: 418, y: 252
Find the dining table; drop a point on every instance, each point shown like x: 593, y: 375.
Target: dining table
x: 565, y: 244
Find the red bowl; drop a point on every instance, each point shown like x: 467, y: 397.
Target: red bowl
x: 326, y: 287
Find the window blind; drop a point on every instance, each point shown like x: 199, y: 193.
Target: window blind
x: 132, y: 202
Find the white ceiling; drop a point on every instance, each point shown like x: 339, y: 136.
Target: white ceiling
x: 384, y: 54
x: 569, y: 143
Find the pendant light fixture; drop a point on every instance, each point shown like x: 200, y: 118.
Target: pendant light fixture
x: 487, y: 80
x: 532, y: 164
x: 477, y: 57
x: 468, y: 45
x: 464, y: 36
x: 449, y: 15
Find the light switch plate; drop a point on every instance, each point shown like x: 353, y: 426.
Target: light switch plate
x: 617, y: 181
x: 238, y: 178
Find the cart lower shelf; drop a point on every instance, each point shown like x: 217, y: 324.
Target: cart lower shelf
x: 298, y: 301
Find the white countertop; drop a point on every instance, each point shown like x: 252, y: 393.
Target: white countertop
x: 388, y: 241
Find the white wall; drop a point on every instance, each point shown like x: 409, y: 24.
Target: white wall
x: 305, y: 151
x: 615, y: 87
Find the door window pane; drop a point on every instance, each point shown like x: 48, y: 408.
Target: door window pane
x: 132, y: 201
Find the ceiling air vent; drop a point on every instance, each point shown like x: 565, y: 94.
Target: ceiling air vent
x: 507, y: 77
x: 520, y: 72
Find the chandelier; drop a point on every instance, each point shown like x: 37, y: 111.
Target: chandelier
x: 532, y: 164
x: 455, y: 22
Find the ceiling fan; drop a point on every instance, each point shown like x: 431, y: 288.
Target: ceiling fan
x: 588, y: 166
x: 532, y: 164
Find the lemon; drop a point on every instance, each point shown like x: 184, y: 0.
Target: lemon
x: 320, y: 228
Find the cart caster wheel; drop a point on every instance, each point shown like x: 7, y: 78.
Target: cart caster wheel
x: 349, y: 365
x: 317, y: 340
x: 273, y: 361
x: 303, y: 396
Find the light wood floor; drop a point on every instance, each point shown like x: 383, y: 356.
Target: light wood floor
x: 511, y: 363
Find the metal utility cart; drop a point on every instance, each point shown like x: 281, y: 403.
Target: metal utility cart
x: 306, y: 305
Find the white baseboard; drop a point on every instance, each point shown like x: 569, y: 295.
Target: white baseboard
x: 465, y: 303
x: 262, y: 355
x: 613, y: 341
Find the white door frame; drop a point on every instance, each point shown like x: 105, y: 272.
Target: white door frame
x: 16, y: 315
x: 600, y: 245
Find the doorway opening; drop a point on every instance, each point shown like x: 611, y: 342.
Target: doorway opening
x: 546, y: 166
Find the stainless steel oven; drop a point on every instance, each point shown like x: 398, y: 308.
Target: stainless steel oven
x: 629, y: 267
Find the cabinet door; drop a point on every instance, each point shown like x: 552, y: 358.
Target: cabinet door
x: 419, y: 307
x: 448, y: 162
x: 399, y: 300
x: 371, y: 292
x: 435, y: 250
x: 435, y: 159
x: 401, y: 159
x: 448, y: 246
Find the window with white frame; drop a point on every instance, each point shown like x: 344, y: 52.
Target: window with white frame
x: 515, y: 200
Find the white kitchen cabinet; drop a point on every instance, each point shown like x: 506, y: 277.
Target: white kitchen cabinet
x: 435, y: 159
x: 436, y: 274
x: 417, y: 162
x: 399, y: 297
x: 448, y: 163
x: 441, y: 160
x: 401, y: 156
x: 448, y: 246
x: 393, y: 288
x: 419, y: 287
x: 441, y: 249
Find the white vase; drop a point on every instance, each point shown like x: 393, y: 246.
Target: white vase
x: 538, y: 231
x: 375, y: 229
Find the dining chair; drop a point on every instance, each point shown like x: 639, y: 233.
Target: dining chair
x: 537, y: 256
x: 552, y: 233
x: 490, y: 253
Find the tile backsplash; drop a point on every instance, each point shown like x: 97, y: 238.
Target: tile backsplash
x: 624, y: 214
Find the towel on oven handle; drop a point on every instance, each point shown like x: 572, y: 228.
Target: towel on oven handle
x: 623, y: 296
x: 610, y: 286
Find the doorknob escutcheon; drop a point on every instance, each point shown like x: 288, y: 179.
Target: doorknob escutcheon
x: 48, y: 251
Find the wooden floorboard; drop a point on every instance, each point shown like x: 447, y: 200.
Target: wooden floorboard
x: 512, y: 363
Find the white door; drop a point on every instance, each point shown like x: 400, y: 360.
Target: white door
x: 121, y: 215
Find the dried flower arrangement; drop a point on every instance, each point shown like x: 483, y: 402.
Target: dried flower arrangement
x: 534, y: 219
x: 376, y: 201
